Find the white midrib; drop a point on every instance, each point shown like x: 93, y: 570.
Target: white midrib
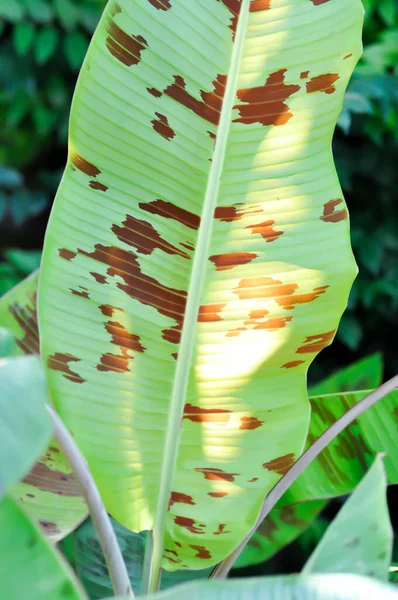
x: 186, y: 348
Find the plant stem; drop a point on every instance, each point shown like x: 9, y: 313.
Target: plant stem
x: 113, y: 556
x: 222, y: 570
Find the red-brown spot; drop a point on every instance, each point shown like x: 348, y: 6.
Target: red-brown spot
x: 144, y: 237
x: 60, y: 362
x: 258, y: 5
x: 235, y: 212
x: 26, y: 317
x: 47, y: 480
x: 202, y: 552
x: 161, y: 126
x: 178, y: 544
x: 161, y: 4
x: 250, y: 423
x: 217, y: 494
x: 292, y: 364
x: 235, y: 332
x: 126, y: 342
x: 172, y: 560
x: 210, y: 106
x: 304, y: 75
x: 221, y: 529
x: 322, y: 83
x: 288, y: 303
x: 154, y: 92
x: 96, y: 185
x: 263, y: 287
x: 210, y: 313
x: 171, y: 211
x: 108, y: 310
x: 266, y: 230
x: 330, y: 215
x: 217, y: 475
x: 99, y: 278
x: 84, y: 166
x: 188, y: 246
x: 66, y: 254
x: 266, y: 104
x: 318, y: 2
x: 234, y: 7
x: 83, y: 292
x: 115, y: 9
x: 256, y: 314
x: 280, y: 465
x: 206, y: 415
x: 172, y: 335
x: 175, y: 355
x: 316, y: 343
x: 171, y: 552
x: 253, y: 480
x: 223, y: 262
x: 177, y: 497
x: 126, y: 48
x: 347, y: 56
x: 189, y: 524
x: 49, y: 527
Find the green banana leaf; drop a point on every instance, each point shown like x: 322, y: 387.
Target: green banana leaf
x: 30, y: 568
x: 7, y: 343
x: 197, y: 257
x: 49, y: 493
x: 365, y: 374
x: 360, y: 538
x: 293, y: 587
x: 25, y: 425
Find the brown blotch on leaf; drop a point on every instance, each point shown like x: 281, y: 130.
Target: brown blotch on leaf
x: 223, y: 262
x: 266, y: 230
x: 319, y: 2
x: 178, y: 497
x: 49, y: 528
x: 330, y: 215
x: 234, y: 7
x: 26, y: 317
x: 154, y: 92
x: 217, y: 474
x: 235, y: 212
x: 202, y: 552
x: 115, y: 9
x: 292, y: 364
x: 253, y: 480
x: 254, y: 315
x: 126, y: 48
x: 47, y: 480
x: 322, y: 83
x: 266, y: 104
x: 66, y: 254
x: 250, y: 423
x: 144, y: 237
x: 316, y: 343
x: 210, y: 106
x: 83, y: 292
x: 171, y: 211
x: 258, y: 5
x: 206, y: 415
x: 221, y: 529
x: 60, y: 362
x: 127, y: 342
x: 161, y: 126
x: 347, y: 56
x: 188, y: 246
x: 161, y: 4
x: 175, y: 355
x: 172, y: 335
x: 280, y: 465
x: 210, y: 313
x: 171, y: 551
x: 108, y: 310
x: 98, y: 277
x: 304, y: 75
x: 217, y: 494
x: 189, y: 524
x: 96, y: 185
x: 289, y: 302
x: 263, y: 287
x: 84, y: 166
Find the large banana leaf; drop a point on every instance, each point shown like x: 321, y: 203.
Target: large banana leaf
x: 197, y: 257
x: 49, y: 493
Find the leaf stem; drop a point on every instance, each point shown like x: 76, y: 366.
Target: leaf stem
x: 222, y: 570
x: 113, y: 556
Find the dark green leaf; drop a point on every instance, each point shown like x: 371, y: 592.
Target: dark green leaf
x: 23, y: 36
x: 46, y: 43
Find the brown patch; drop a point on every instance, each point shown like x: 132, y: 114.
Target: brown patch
x: 126, y: 48
x: 221, y: 529
x: 161, y: 4
x: 266, y: 230
x: 268, y: 528
x: 223, y: 262
x: 258, y: 5
x: 178, y: 497
x: 291, y: 365
x: 266, y: 104
x: 316, y: 343
x: 318, y: 2
x: 189, y: 524
x: 178, y: 544
x: 235, y: 212
x: 126, y: 342
x: 304, y: 75
x: 209, y: 313
x: 56, y: 482
x: 202, y: 552
x: 234, y: 7
x: 83, y: 292
x: 175, y: 355
x: 250, y: 423
x: 273, y: 323
x: 66, y: 254
x: 115, y: 10
x: 206, y: 415
x: 172, y: 560
x: 154, y: 92
x: 161, y: 126
x: 210, y: 106
x: 347, y: 56
x: 84, y: 166
x: 26, y: 317
x: 60, y: 362
x: 289, y: 303
x: 253, y: 480
x: 188, y: 246
x: 49, y: 528
x: 217, y: 494
x: 263, y: 287
x: 256, y: 314
x: 96, y: 185
x: 99, y: 278
x: 330, y: 215
x: 235, y: 332
x: 171, y: 551
x: 108, y: 310
x: 217, y: 475
x: 280, y: 465
x: 171, y: 211
x: 172, y: 335
x: 144, y: 237
x: 322, y: 83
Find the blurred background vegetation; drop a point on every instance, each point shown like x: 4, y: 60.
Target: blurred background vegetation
x: 42, y: 45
